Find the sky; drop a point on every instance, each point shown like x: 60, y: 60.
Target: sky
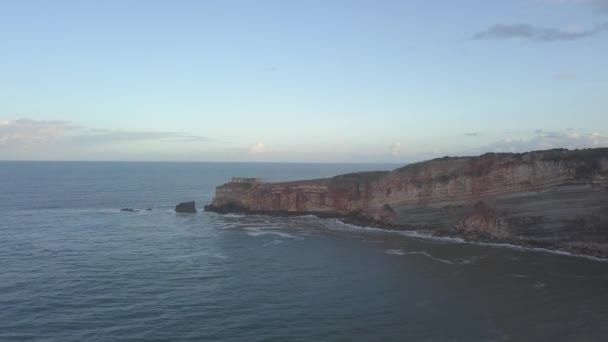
x: 300, y: 81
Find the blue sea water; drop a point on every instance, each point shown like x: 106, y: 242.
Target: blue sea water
x: 75, y: 268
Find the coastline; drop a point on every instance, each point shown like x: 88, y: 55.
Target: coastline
x: 551, y: 199
x: 427, y: 233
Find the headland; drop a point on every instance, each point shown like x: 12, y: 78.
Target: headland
x: 555, y: 199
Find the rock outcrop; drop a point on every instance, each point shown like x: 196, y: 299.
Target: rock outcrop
x: 186, y: 208
x: 554, y: 198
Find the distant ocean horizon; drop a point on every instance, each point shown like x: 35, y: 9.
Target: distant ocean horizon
x: 202, y: 161
x: 76, y: 268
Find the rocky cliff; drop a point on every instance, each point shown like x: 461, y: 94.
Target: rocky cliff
x: 554, y: 199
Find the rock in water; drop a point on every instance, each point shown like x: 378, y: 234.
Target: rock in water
x: 186, y: 207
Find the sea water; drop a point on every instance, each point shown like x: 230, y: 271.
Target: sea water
x: 73, y: 267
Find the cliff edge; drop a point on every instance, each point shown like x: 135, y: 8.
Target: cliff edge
x: 553, y: 199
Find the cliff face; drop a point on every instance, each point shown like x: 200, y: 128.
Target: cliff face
x: 555, y: 198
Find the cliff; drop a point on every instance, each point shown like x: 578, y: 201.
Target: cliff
x: 553, y: 199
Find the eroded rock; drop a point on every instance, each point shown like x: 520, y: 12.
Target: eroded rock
x: 186, y: 208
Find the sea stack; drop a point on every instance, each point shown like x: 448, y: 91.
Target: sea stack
x: 186, y: 208
x: 553, y: 199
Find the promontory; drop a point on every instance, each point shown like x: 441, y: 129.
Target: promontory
x: 556, y: 199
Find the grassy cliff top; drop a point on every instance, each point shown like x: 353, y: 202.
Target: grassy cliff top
x: 588, y: 156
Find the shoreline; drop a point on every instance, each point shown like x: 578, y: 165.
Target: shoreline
x: 425, y: 232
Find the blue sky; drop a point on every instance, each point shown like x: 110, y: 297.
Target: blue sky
x: 300, y: 81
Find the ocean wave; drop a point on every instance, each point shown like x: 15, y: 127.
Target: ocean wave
x: 537, y: 249
x: 308, y: 217
x: 428, y: 236
x: 197, y: 255
x: 430, y: 256
x: 471, y: 260
x: 423, y: 253
x: 260, y: 232
x: 233, y: 215
x: 273, y: 242
x: 339, y: 225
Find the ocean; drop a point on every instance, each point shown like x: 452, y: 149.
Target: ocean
x: 76, y: 268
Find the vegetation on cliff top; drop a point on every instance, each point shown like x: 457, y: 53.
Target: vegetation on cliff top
x: 368, y: 176
x: 588, y: 159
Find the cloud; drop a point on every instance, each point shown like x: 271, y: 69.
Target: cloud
x: 542, y: 140
x: 259, y: 148
x: 107, y: 136
x: 25, y: 132
x: 30, y: 133
x: 396, y: 149
x: 536, y: 33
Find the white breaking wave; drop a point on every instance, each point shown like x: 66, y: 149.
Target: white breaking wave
x: 471, y: 259
x: 233, y: 215
x: 307, y: 217
x: 339, y: 225
x: 537, y: 249
x: 197, y: 255
x: 423, y: 253
x: 409, y: 233
x: 259, y: 232
x: 430, y: 256
x: 426, y: 236
x: 273, y: 242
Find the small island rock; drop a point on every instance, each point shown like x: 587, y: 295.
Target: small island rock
x: 186, y: 207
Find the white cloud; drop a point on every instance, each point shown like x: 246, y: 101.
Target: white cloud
x: 598, y: 140
x: 26, y: 133
x: 259, y: 148
x: 31, y: 133
x: 570, y: 139
x: 396, y: 149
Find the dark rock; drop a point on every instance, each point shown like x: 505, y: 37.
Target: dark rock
x: 186, y: 207
x: 129, y: 210
x: 225, y: 209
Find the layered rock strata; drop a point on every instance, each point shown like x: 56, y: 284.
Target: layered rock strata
x: 554, y: 198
